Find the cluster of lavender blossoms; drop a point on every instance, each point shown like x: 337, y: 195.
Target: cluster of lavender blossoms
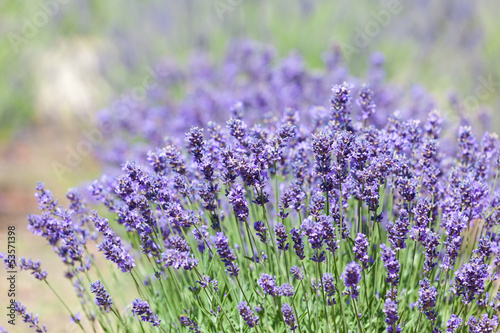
x: 281, y: 209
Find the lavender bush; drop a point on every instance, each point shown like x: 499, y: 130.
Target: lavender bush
x: 320, y: 219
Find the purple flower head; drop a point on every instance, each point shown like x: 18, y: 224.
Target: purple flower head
x: 261, y: 231
x: 141, y: 308
x: 322, y: 147
x: 289, y: 316
x: 317, y: 204
x: 297, y: 273
x: 329, y: 284
x: 391, y: 264
x: 470, y: 280
x: 351, y: 277
x: 391, y: 315
x: 236, y: 197
x: 298, y: 243
x: 453, y: 324
x: 268, y: 284
x: 226, y: 254
x: 314, y: 232
x: 200, y: 233
x: 285, y: 290
x: 397, y: 232
x: 194, y: 142
x: 179, y: 259
x: 291, y: 198
x: 102, y: 298
x: 35, y: 267
x: 237, y: 128
x: 365, y: 102
x: 340, y: 100
x: 360, y: 249
x: 430, y: 243
x: 427, y: 299
x: 29, y: 318
x: 281, y: 236
x: 248, y: 315
x: 190, y: 323
x: 483, y: 325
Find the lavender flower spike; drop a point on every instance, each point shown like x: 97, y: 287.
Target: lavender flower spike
x: 141, y: 308
x: 248, y: 315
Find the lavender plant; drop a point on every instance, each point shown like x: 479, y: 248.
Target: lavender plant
x: 312, y: 221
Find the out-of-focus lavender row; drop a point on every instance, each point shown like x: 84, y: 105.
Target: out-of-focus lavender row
x: 252, y: 77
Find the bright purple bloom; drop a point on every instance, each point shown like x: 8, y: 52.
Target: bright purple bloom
x: 329, y: 284
x: 360, y: 249
x: 29, y: 318
x: 351, y: 277
x: 391, y: 264
x: 141, y: 308
x: 297, y: 273
x: 102, y: 298
x: 298, y: 243
x: 261, y: 231
x: 35, y: 267
x: 285, y: 290
x: 453, y: 324
x: 470, y: 280
x: 226, y: 254
x: 289, y: 316
x: 268, y: 284
x: 483, y: 325
x: 248, y: 315
x: 236, y: 197
x: 281, y: 236
x: 427, y: 299
x: 391, y: 316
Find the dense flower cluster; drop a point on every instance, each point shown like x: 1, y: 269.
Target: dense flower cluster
x: 275, y: 205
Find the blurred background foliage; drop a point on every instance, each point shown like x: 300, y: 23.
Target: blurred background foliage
x: 89, y: 52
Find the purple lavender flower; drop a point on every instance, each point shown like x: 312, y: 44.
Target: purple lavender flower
x: 30, y: 265
x: 29, y: 318
x: 236, y: 197
x: 248, y: 315
x: 391, y: 264
x: 329, y: 284
x: 141, y: 308
x: 188, y: 322
x: 391, y: 316
x: 430, y: 242
x: 285, y: 290
x: 297, y: 273
x: 427, y: 299
x: 351, y: 277
x: 340, y: 100
x: 298, y: 243
x: 365, y: 102
x: 289, y: 316
x: 281, y: 236
x: 317, y: 204
x: 453, y: 324
x: 102, y: 298
x: 314, y: 232
x: 268, y: 284
x: 397, y: 232
x: 226, y: 254
x: 360, y: 249
x: 194, y: 142
x: 470, y: 280
x: 483, y: 325
x: 261, y: 231
x: 112, y: 246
